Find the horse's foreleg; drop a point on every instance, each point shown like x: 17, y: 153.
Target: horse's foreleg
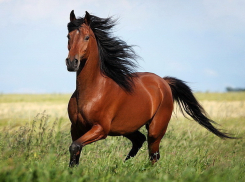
x: 94, y: 134
x: 137, y: 139
x: 75, y: 134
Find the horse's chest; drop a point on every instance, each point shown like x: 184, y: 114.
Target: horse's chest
x: 89, y: 112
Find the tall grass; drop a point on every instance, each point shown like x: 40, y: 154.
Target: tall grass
x: 39, y: 152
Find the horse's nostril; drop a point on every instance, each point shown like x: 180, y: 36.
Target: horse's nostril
x: 76, y: 62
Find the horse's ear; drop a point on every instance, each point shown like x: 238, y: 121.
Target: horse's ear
x: 72, y: 16
x: 87, y: 18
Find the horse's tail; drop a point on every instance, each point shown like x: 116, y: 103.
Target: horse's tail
x: 187, y: 102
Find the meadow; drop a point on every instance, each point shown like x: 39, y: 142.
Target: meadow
x: 35, y: 137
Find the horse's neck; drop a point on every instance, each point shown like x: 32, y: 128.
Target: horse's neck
x: 89, y: 77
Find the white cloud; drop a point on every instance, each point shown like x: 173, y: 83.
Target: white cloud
x: 218, y: 13
x: 176, y: 65
x: 4, y: 1
x: 58, y: 11
x: 227, y: 14
x: 224, y: 8
x: 210, y: 72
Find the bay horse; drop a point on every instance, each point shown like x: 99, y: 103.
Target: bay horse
x: 111, y: 99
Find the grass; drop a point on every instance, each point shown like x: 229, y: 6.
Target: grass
x: 36, y: 98
x: 37, y: 149
x: 228, y: 96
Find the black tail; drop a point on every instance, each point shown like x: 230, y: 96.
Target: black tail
x: 182, y: 94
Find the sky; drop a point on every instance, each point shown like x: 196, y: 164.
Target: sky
x: 201, y: 42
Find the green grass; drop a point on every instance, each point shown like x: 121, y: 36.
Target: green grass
x: 39, y: 152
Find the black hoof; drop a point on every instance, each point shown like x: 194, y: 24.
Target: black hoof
x: 74, y: 154
x: 72, y: 164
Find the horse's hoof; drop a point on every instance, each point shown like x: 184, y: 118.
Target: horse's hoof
x: 74, y: 152
x: 72, y: 164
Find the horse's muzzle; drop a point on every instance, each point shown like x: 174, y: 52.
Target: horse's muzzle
x: 72, y: 65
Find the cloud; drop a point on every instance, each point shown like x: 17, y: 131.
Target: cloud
x: 58, y: 11
x: 227, y: 14
x: 210, y: 73
x: 221, y: 14
x: 176, y: 65
x: 225, y: 8
x: 4, y: 1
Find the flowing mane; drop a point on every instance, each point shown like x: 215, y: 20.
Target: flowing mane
x: 117, y: 58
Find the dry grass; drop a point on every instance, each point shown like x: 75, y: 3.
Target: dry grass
x: 17, y: 110
x: 220, y: 109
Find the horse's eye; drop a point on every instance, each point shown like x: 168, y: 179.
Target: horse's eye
x: 68, y: 36
x: 86, y: 38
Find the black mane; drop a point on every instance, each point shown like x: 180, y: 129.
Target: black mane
x: 117, y: 59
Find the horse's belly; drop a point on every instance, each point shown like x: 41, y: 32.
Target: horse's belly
x: 128, y: 124
x: 133, y: 114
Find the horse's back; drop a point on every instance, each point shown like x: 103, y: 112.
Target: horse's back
x: 151, y: 80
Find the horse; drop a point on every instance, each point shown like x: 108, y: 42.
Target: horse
x: 111, y: 99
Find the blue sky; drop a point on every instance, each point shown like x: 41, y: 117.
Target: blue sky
x: 201, y: 42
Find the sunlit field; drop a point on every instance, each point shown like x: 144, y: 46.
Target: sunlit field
x: 35, y: 137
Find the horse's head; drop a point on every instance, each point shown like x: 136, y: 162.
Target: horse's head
x: 78, y: 41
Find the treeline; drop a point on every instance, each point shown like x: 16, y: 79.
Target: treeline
x: 230, y: 89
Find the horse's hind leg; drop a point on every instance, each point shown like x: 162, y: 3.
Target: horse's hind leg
x: 137, y: 139
x: 153, y: 145
x: 157, y: 129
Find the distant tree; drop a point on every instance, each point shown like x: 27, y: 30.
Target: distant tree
x: 230, y: 89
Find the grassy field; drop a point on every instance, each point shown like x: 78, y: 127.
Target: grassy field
x: 34, y: 142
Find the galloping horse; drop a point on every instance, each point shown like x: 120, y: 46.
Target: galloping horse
x: 111, y: 99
